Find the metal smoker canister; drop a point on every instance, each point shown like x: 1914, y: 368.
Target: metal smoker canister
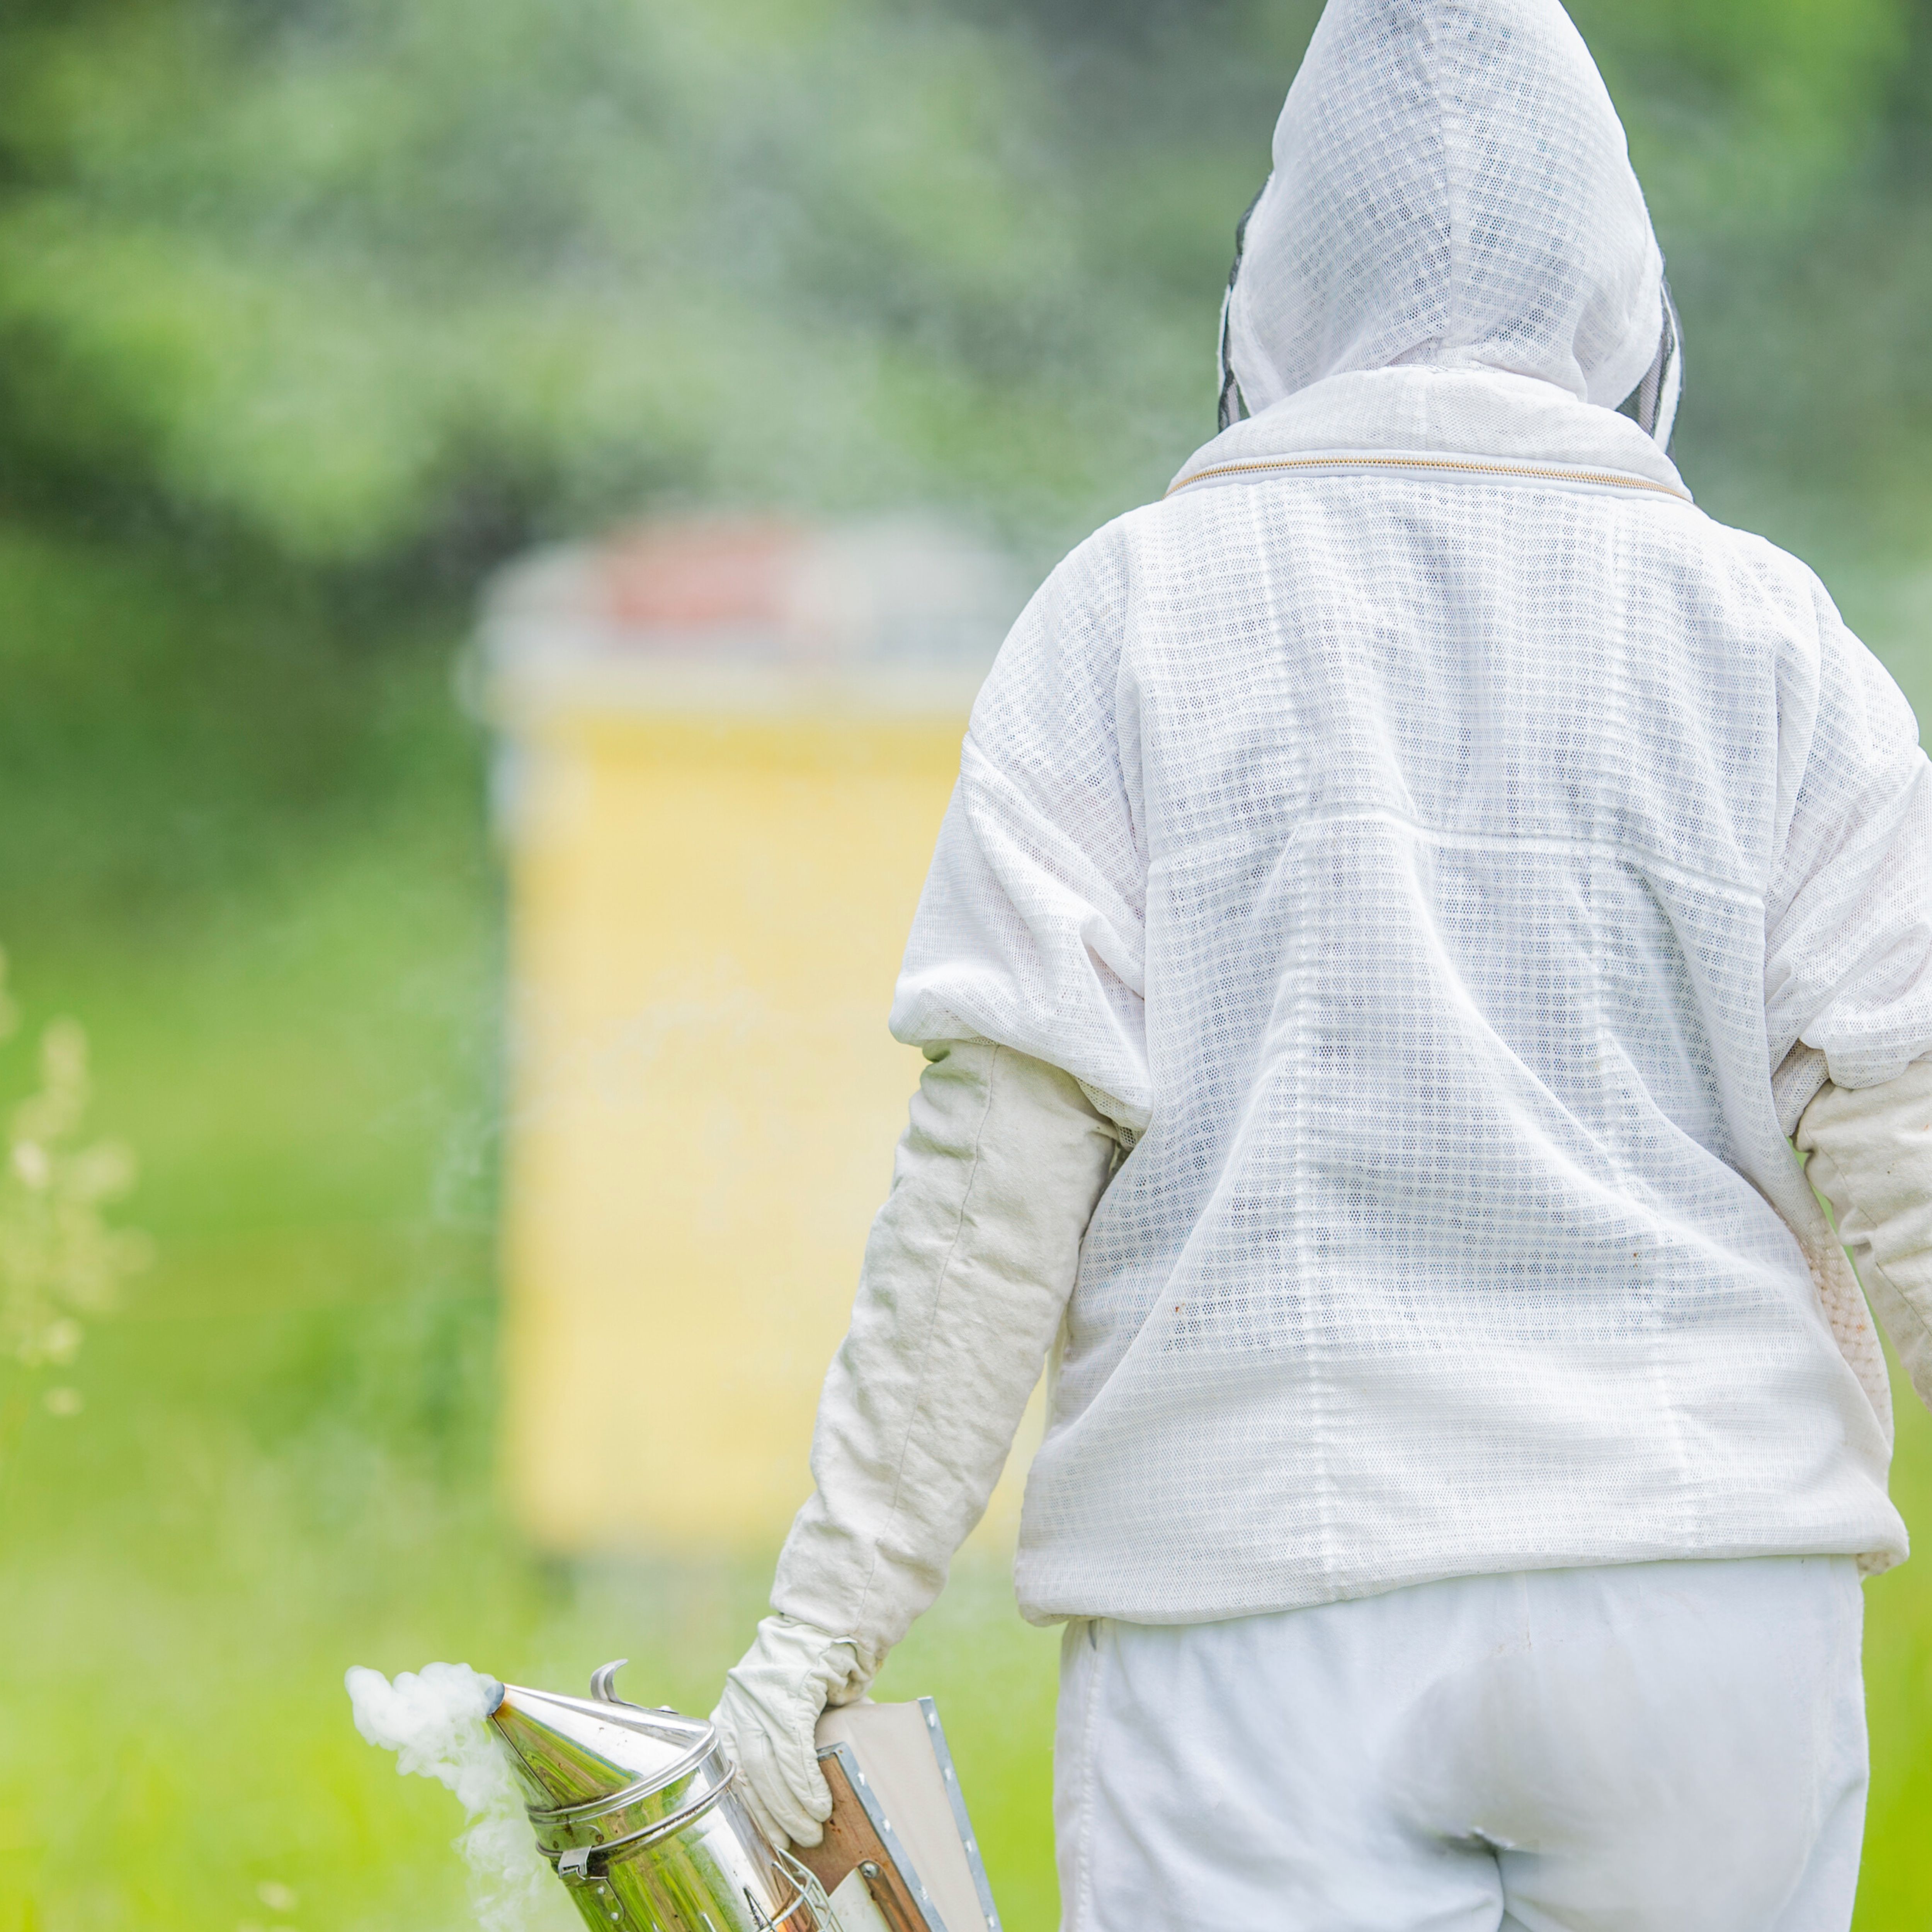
x: 636, y: 1810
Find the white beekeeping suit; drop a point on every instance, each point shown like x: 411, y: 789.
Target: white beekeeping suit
x: 1401, y: 891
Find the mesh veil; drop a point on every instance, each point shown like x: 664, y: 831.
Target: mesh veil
x: 1451, y: 186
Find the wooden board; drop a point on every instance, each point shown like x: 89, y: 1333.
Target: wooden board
x: 858, y: 1838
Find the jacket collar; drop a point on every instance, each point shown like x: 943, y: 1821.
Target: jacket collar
x: 1439, y: 420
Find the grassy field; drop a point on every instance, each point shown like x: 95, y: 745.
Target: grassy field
x: 253, y: 858
x: 248, y: 849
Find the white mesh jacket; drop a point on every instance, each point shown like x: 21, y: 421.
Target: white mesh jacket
x: 1456, y: 861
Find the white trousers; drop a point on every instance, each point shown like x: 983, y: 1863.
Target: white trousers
x: 1649, y: 1748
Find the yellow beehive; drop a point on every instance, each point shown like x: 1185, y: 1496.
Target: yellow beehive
x: 726, y: 750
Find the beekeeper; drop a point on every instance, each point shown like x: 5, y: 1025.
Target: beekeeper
x: 1402, y: 890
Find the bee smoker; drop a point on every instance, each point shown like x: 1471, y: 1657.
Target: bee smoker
x: 637, y: 1811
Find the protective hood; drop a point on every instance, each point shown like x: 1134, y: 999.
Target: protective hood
x: 1451, y: 188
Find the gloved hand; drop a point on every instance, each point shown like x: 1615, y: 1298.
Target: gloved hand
x: 768, y: 1716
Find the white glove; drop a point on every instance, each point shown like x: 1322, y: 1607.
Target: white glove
x: 1871, y: 1158
x: 768, y: 1717
x: 966, y: 1279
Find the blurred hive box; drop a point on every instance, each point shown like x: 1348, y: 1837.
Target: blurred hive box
x: 723, y: 751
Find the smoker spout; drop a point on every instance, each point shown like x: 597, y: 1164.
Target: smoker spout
x: 570, y: 1751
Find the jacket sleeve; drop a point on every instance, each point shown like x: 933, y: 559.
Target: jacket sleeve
x: 1031, y: 932
x: 1848, y: 937
x: 966, y: 1276
x: 1871, y: 1152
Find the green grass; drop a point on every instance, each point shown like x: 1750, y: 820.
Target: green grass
x: 282, y: 1466
x: 250, y: 855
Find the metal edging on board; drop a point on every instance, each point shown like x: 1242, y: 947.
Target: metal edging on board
x: 936, y: 1733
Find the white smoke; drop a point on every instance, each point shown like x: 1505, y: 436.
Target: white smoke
x: 432, y: 1720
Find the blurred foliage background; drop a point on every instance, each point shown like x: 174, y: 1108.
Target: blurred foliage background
x: 312, y: 311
